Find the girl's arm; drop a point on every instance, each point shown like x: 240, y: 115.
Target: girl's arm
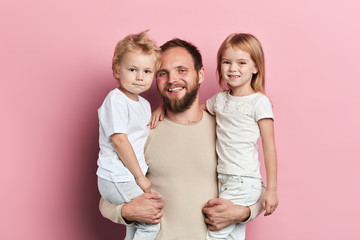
x: 127, y: 155
x: 157, y: 115
x: 270, y: 201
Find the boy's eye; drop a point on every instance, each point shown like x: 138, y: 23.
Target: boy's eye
x: 242, y: 63
x: 132, y: 70
x: 147, y: 71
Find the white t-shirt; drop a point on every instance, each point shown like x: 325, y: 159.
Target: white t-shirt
x: 120, y: 114
x: 237, y: 131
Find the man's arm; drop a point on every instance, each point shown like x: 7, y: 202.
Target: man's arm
x: 220, y: 213
x: 144, y: 208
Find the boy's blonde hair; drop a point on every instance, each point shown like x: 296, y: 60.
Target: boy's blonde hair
x: 250, y: 44
x: 134, y: 42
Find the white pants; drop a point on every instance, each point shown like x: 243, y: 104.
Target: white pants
x: 123, y: 192
x: 244, y: 191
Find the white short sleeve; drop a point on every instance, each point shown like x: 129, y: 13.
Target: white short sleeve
x: 263, y: 109
x: 210, y: 104
x: 113, y: 116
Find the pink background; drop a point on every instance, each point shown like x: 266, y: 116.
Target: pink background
x: 55, y: 68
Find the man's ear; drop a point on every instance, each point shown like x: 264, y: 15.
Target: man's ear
x: 201, y: 75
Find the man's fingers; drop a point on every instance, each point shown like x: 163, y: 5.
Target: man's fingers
x: 152, y: 195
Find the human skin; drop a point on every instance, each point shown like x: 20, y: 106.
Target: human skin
x: 175, y: 78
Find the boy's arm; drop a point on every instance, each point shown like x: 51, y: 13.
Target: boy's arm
x: 220, y: 213
x: 127, y: 155
x: 270, y: 201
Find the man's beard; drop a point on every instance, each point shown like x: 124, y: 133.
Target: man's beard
x: 177, y: 106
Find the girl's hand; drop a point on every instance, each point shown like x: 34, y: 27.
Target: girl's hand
x: 156, y: 116
x: 270, y: 202
x: 144, y: 183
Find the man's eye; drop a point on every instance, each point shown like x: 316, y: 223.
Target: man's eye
x: 182, y: 70
x: 161, y: 74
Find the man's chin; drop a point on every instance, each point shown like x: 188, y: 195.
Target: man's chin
x: 180, y: 105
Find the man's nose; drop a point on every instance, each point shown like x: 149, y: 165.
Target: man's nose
x: 173, y: 78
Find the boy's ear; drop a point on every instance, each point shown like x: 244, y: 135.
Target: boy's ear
x: 116, y: 72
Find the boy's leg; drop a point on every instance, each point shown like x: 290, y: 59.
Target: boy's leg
x: 146, y: 231
x: 130, y: 232
x: 128, y: 191
x: 118, y: 193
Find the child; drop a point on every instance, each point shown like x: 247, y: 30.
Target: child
x: 123, y: 131
x: 242, y: 113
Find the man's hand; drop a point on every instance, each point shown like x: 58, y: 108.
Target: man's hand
x: 220, y: 213
x: 144, y: 208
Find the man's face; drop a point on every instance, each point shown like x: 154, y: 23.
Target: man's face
x: 177, y: 79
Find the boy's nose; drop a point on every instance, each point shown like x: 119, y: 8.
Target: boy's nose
x: 139, y: 77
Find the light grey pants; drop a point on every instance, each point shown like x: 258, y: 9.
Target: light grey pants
x: 244, y: 191
x: 123, y: 192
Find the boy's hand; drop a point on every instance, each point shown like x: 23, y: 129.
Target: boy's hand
x: 156, y: 116
x: 144, y: 183
x: 270, y: 202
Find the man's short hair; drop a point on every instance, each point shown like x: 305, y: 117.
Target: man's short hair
x: 194, y: 52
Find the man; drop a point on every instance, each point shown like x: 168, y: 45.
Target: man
x: 181, y: 156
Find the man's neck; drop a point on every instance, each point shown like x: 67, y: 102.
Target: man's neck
x: 190, y: 116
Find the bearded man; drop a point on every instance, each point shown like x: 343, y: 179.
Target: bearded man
x: 181, y: 156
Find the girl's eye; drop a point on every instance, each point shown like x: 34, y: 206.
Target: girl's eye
x: 226, y: 62
x: 242, y: 63
x: 147, y: 71
x: 132, y: 70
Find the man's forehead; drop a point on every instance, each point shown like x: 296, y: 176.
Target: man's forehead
x: 176, y: 57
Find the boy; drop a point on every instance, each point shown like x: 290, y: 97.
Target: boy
x: 123, y: 131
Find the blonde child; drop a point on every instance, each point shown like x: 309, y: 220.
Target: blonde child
x: 123, y: 119
x: 243, y: 114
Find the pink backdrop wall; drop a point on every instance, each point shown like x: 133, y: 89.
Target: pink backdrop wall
x: 55, y: 71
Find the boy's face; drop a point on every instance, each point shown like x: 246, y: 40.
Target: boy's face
x: 135, y: 73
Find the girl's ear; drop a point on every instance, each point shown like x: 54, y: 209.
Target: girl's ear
x: 255, y: 71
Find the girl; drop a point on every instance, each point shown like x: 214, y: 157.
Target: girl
x: 243, y: 113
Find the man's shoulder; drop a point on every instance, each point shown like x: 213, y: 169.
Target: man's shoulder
x: 208, y: 117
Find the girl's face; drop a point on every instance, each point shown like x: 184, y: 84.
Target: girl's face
x: 237, y: 70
